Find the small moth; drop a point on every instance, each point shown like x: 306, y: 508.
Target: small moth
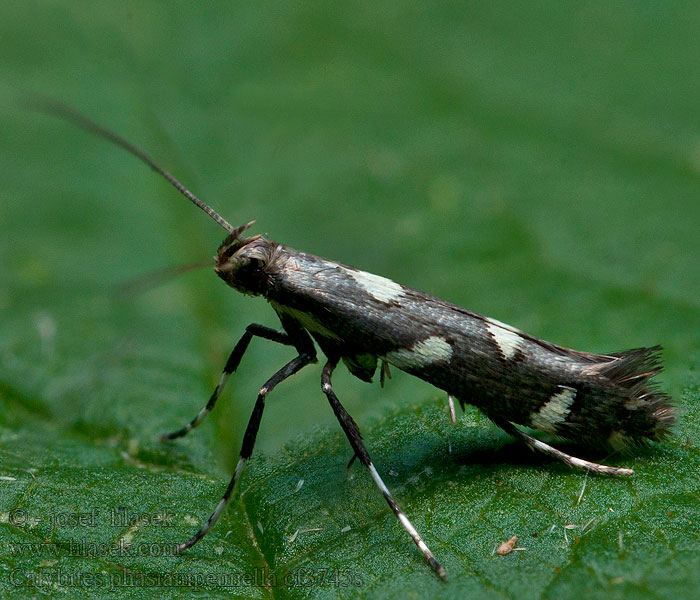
x: 370, y: 322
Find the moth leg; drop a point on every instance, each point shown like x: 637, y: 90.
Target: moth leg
x: 384, y: 373
x: 572, y: 461
x: 451, y: 404
x: 351, y: 463
x: 353, y: 434
x: 281, y: 337
x: 248, y: 442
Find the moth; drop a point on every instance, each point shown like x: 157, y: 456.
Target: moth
x: 369, y: 322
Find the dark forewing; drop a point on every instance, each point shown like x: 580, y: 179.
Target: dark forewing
x: 511, y: 375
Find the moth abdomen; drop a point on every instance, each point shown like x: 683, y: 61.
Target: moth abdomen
x: 610, y: 403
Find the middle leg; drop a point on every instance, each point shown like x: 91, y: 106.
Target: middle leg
x: 353, y: 434
x: 251, y: 433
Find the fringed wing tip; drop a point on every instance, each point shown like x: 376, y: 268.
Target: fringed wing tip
x: 649, y: 410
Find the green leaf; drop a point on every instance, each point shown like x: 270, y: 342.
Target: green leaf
x: 536, y: 162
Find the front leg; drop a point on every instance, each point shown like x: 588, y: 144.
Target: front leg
x: 281, y: 337
x: 353, y: 434
x: 251, y: 433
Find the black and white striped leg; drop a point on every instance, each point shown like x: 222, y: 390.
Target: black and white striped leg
x: 248, y: 442
x: 353, y: 434
x: 572, y: 461
x: 232, y: 363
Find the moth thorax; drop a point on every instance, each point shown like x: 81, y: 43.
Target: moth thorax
x: 242, y: 264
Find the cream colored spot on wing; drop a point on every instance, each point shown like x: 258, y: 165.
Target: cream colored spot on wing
x: 555, y: 411
x: 380, y: 288
x: 306, y: 320
x: 506, y: 337
x: 422, y: 353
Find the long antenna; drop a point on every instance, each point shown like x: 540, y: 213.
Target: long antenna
x: 143, y: 283
x: 61, y: 110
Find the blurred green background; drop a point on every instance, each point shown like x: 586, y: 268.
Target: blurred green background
x: 538, y: 162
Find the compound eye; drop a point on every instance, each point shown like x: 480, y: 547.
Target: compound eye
x: 254, y: 263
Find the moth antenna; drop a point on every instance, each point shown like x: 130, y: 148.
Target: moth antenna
x: 63, y: 111
x: 235, y: 236
x: 153, y: 279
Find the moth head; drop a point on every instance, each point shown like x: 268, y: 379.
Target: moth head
x: 242, y: 261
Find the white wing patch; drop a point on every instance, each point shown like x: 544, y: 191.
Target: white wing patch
x: 555, y: 411
x: 306, y: 320
x: 421, y: 354
x: 507, y: 338
x: 380, y: 288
